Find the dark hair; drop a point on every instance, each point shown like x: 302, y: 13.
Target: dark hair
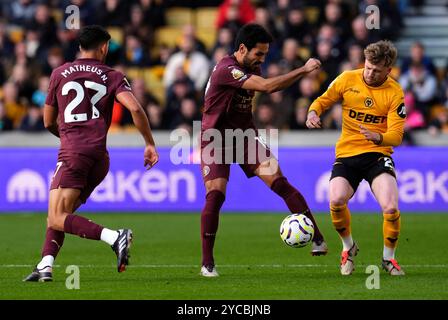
x: 251, y: 34
x: 91, y: 37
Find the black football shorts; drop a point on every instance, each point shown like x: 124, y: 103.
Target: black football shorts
x: 363, y: 166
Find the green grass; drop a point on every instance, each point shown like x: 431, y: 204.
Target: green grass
x: 252, y: 260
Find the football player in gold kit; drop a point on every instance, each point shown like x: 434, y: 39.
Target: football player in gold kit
x: 373, y: 120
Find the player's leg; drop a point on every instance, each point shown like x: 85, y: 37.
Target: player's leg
x: 214, y: 199
x: 53, y: 243
x: 269, y: 171
x: 343, y: 184
x: 384, y: 187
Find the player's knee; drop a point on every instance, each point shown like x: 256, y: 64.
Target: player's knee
x: 391, y: 210
x: 56, y: 222
x: 338, y: 202
x: 391, y: 213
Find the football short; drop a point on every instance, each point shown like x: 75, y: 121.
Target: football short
x: 254, y: 154
x: 363, y: 166
x: 80, y: 171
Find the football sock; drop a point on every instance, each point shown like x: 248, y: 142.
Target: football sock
x: 109, y: 236
x: 53, y: 242
x: 47, y: 261
x: 340, y: 216
x: 209, y: 224
x: 347, y: 242
x: 388, y: 253
x: 295, y: 202
x: 391, y: 228
x: 82, y: 227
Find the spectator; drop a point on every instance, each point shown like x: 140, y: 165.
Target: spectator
x: 418, y: 56
x: 333, y: 17
x: 39, y: 96
x: 155, y: 115
x: 414, y: 119
x: 422, y: 84
x: 361, y: 34
x: 22, y: 80
x: 154, y: 12
x: 44, y: 24
x: 235, y: 13
x: 225, y: 39
x: 14, y: 108
x: 264, y: 116
x: 189, y: 31
x: 139, y: 28
x: 112, y: 13
x: 33, y: 121
x: 134, y: 52
x: 188, y: 113
x: 55, y: 59
x: 195, y: 65
x: 179, y: 90
x: 20, y: 12
x: 297, y: 26
x: 6, y: 123
x: 290, y: 59
x: 440, y: 122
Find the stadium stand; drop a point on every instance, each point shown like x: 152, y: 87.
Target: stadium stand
x: 145, y: 34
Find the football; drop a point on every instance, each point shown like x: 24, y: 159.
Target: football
x: 297, y: 230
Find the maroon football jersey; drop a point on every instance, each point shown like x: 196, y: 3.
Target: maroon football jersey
x: 227, y: 105
x: 83, y: 91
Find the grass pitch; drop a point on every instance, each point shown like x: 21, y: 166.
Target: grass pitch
x: 252, y: 260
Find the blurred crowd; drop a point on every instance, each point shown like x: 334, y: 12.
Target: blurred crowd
x: 168, y: 48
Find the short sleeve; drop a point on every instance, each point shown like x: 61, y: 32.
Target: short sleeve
x: 51, y: 99
x: 232, y: 76
x: 120, y: 83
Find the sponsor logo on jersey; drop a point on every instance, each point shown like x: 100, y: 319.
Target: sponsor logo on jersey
x: 366, y: 117
x: 368, y: 102
x: 401, y: 110
x: 353, y: 90
x: 237, y: 74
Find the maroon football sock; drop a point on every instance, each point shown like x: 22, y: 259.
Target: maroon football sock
x: 82, y: 227
x: 295, y: 201
x: 209, y: 224
x: 53, y: 242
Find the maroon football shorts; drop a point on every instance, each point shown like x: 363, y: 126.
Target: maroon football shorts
x: 80, y: 171
x: 254, y: 155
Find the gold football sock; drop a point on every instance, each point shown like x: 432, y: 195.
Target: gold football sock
x: 391, y: 228
x: 340, y: 215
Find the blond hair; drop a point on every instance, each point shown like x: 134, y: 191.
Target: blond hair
x: 383, y: 50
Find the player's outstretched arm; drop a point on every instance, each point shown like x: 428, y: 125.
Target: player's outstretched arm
x: 50, y: 119
x: 128, y: 100
x: 281, y: 82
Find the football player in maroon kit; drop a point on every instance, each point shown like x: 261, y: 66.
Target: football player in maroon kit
x: 228, y: 106
x: 78, y: 110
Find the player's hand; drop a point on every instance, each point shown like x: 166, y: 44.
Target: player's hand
x: 151, y: 157
x: 375, y: 137
x: 311, y: 65
x: 313, y: 121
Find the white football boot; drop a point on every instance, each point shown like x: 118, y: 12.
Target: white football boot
x: 392, y: 267
x: 347, y: 263
x: 209, y: 271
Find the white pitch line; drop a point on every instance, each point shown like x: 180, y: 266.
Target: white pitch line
x: 149, y: 266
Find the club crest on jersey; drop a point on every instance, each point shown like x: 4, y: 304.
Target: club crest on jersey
x: 368, y: 102
x: 237, y: 74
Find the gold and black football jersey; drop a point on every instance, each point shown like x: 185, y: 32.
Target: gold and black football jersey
x: 379, y: 109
